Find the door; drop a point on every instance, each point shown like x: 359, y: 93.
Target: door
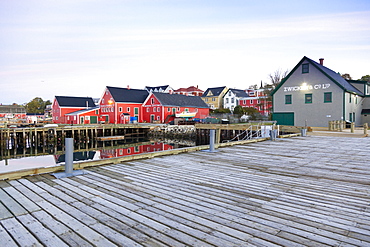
x: 93, y: 119
x: 284, y: 118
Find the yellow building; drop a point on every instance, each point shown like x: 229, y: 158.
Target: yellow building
x: 214, y: 97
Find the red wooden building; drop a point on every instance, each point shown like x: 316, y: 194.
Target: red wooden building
x: 163, y: 108
x: 64, y: 105
x: 257, y: 99
x: 139, y: 149
x: 122, y: 105
x: 190, y: 91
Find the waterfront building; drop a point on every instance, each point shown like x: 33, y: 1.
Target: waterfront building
x: 312, y: 94
x: 68, y: 110
x: 213, y: 97
x: 122, y: 105
x: 12, y: 113
x: 163, y: 108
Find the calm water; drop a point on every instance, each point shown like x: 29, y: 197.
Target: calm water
x: 96, y: 151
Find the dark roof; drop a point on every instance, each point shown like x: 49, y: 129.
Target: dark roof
x: 69, y: 101
x: 180, y: 100
x: 332, y: 75
x: 239, y: 92
x: 216, y: 91
x: 128, y: 95
x: 156, y: 89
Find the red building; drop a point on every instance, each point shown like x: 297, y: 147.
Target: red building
x: 190, y: 91
x: 122, y: 105
x: 163, y: 108
x: 64, y: 105
x: 12, y: 113
x: 257, y: 99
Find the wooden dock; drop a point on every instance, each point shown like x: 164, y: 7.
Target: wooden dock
x: 302, y: 191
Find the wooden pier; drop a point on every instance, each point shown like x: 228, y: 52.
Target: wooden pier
x: 38, y: 140
x: 303, y: 191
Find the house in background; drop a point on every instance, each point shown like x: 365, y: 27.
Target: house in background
x: 313, y: 94
x: 12, y: 113
x: 85, y: 116
x: 232, y: 97
x: 190, y: 91
x: 122, y: 105
x: 163, y: 108
x: 160, y: 89
x: 63, y: 105
x: 213, y: 97
x: 257, y: 99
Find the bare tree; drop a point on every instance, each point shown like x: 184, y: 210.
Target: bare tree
x: 277, y: 77
x: 346, y: 76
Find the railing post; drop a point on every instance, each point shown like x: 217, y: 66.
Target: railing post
x: 365, y: 128
x: 352, y: 127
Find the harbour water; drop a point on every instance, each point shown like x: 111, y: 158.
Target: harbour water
x: 30, y: 158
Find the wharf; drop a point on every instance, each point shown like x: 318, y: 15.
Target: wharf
x: 301, y: 191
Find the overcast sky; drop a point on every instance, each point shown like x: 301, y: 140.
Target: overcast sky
x: 77, y: 47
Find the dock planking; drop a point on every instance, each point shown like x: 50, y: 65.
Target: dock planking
x: 304, y: 191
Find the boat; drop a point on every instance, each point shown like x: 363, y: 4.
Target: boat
x: 186, y: 114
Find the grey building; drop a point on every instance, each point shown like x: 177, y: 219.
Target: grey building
x: 313, y: 94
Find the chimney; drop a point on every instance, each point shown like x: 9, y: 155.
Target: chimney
x: 128, y: 87
x: 321, y: 61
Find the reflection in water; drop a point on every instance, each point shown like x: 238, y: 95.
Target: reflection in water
x: 46, y: 156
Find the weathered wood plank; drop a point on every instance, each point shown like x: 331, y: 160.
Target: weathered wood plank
x: 13, y: 206
x: 5, y: 238
x: 19, y: 233
x: 44, y: 235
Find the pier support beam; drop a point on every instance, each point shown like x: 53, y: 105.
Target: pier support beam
x: 68, y: 172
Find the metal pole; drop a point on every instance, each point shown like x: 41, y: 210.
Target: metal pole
x: 212, y: 140
x: 68, y: 155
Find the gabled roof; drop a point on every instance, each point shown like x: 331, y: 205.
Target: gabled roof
x: 332, y: 75
x: 157, y: 89
x: 189, y: 89
x: 239, y: 92
x: 125, y: 95
x: 180, y: 100
x: 83, y: 111
x: 69, y: 101
x: 215, y: 91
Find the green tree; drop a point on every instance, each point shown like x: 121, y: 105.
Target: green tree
x: 222, y: 110
x: 37, y: 105
x: 252, y: 113
x: 365, y: 78
x: 238, y: 110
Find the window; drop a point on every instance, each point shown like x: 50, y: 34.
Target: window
x: 251, y: 102
x: 154, y: 109
x: 152, y: 100
x: 187, y: 109
x: 305, y: 68
x: 158, y: 109
x: 168, y: 109
x: 308, y: 98
x: 120, y: 109
x: 158, y: 118
x: 96, y: 112
x: 350, y: 98
x: 227, y: 100
x: 232, y: 100
x: 288, y: 99
x: 229, y: 93
x: 213, y: 99
x: 128, y: 109
x: 147, y: 109
x: 327, y: 97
